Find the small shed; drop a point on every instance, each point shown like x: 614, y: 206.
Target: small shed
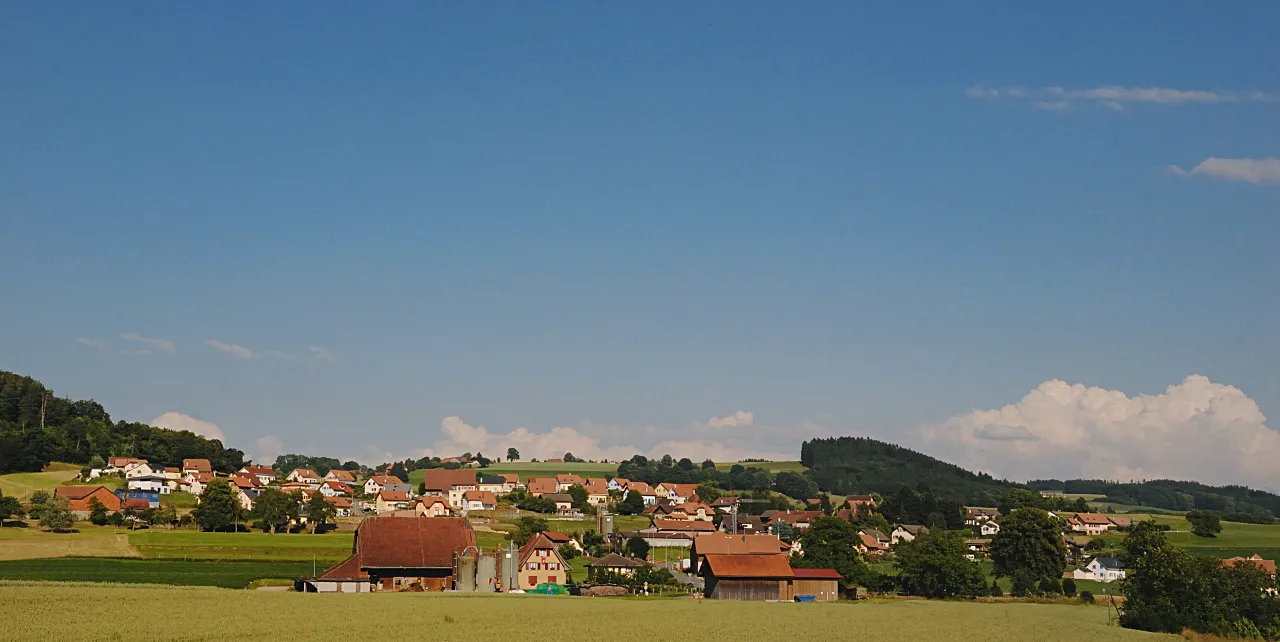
x: 614, y: 563
x: 823, y: 584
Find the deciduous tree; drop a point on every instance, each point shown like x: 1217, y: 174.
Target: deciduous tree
x: 56, y: 515
x: 219, y: 507
x: 933, y: 565
x: 97, y: 512
x: 1204, y: 523
x: 1030, y: 540
x: 320, y: 511
x: 831, y: 542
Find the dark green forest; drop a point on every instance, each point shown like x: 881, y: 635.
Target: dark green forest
x: 1234, y: 503
x: 847, y: 465
x: 38, y: 427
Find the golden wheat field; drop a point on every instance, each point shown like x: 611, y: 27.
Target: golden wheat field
x: 91, y: 612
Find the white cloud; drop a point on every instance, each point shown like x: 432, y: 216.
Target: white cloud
x: 1115, y: 96
x: 159, y: 344
x: 92, y: 343
x: 1196, y: 430
x: 322, y: 354
x: 237, y: 351
x: 1249, y: 170
x: 178, y: 421
x: 738, y: 419
x: 269, y: 447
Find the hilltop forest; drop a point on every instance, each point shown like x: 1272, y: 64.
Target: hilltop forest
x: 1234, y: 503
x: 37, y: 427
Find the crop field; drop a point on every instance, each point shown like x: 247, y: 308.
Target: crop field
x: 38, y: 612
x: 31, y: 543
x: 21, y: 485
x: 143, y: 571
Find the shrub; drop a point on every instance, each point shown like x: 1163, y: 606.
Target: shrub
x: 1069, y: 587
x: 996, y: 591
x: 1086, y: 597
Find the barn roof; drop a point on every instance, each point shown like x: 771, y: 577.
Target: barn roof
x: 724, y: 544
x: 750, y: 566
x: 816, y: 574
x: 412, y: 542
x: 444, y: 479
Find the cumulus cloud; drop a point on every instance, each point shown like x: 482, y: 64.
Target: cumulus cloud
x: 1197, y: 430
x: 1115, y: 96
x: 322, y: 354
x: 178, y: 421
x: 269, y: 447
x: 738, y: 419
x: 92, y: 343
x: 1248, y: 170
x: 159, y: 344
x: 236, y: 351
x: 458, y: 436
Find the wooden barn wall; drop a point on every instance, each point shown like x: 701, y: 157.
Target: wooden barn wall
x: 823, y: 590
x: 724, y: 589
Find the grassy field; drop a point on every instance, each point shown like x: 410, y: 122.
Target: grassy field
x: 21, y: 485
x: 1235, y: 539
x: 142, y: 571
x: 33, y: 543
x: 39, y: 612
x: 195, y: 545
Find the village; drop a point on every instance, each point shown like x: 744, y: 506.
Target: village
x: 424, y: 538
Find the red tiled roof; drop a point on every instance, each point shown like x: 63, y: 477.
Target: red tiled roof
x: 557, y: 537
x: 640, y: 487
x: 485, y: 497
x: 393, y: 495
x: 542, y: 485
x: 796, y: 517
x: 1095, y: 519
x: 596, y: 486
x: 569, y: 478
x: 1267, y: 566
x: 348, y: 569
x: 724, y: 544
x: 75, y: 492
x: 681, y: 490
x: 198, y: 465
x: 816, y: 574
x: 306, y: 473
x: 340, y: 502
x: 412, y: 542
x: 442, y: 479
x: 244, y: 480
x: 510, y: 478
x: 383, y: 480
x: 259, y: 470
x: 750, y: 566
x: 343, y: 475
x: 539, y: 541
x: 338, y: 486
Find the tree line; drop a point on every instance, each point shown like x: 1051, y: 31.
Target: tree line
x: 38, y: 427
x: 1233, y: 503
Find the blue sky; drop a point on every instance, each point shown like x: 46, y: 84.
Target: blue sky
x: 624, y: 221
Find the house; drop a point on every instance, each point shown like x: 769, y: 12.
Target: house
x: 823, y: 584
x: 115, y: 464
x: 292, y: 487
x: 264, y: 475
x: 646, y: 492
x: 798, y: 519
x: 975, y: 516
x: 728, y: 504
x: 566, y: 481
x: 734, y: 523
x: 683, y: 526
x: 698, y: 510
x: 1101, y: 569
x: 450, y: 484
x: 989, y: 528
x: 977, y: 548
x: 345, y: 476
x: 725, y: 544
x: 154, y: 483
x: 433, y: 506
x: 540, y: 486
x: 341, y: 505
x: 336, y: 489
x: 398, y: 553
x: 143, y: 469
x: 194, y: 483
x: 196, y: 466
x: 375, y: 483
x: 246, y: 496
x: 511, y: 482
x: 1090, y: 523
x: 1120, y: 522
x: 540, y: 563
x: 479, y: 500
x: 304, y: 476
x: 618, y: 484
x: 173, y: 473
x: 244, y: 480
x: 747, y: 577
x: 859, y: 504
x: 906, y: 533
x: 389, y: 500
x: 493, y: 483
x: 560, y: 539
x: 1267, y: 566
x: 78, y: 498
x: 614, y: 564
x: 564, y: 503
x: 678, y: 493
x: 874, y: 542
x: 597, y: 490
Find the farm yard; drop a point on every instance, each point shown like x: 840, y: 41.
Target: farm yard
x: 38, y: 613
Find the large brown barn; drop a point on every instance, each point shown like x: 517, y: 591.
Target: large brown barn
x: 399, y: 553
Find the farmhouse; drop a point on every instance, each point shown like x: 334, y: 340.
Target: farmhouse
x: 747, y: 577
x: 78, y: 498
x: 1090, y: 523
x: 375, y: 483
x: 196, y: 466
x: 540, y: 563
x: 724, y: 544
x: 396, y: 553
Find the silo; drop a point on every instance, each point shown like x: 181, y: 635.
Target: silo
x: 508, y: 563
x: 466, y: 581
x: 487, y: 574
x: 606, y: 525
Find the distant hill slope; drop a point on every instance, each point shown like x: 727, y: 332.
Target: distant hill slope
x: 1238, y: 502
x: 853, y: 465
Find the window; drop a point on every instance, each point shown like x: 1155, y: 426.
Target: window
x: 533, y: 580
